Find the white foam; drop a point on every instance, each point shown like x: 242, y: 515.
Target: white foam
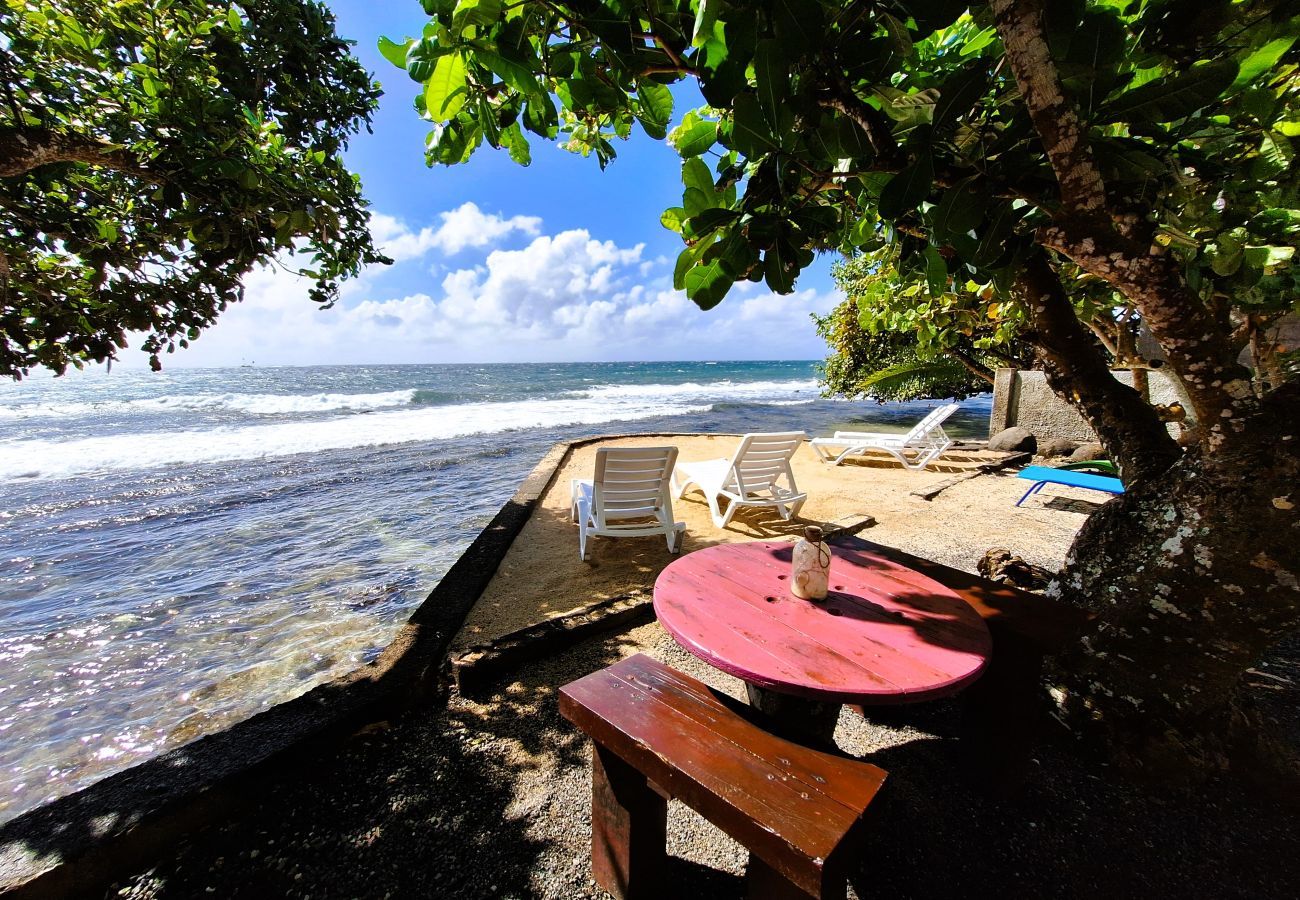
x: 250, y: 404
x: 55, y: 459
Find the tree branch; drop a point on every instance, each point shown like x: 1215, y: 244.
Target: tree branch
x: 970, y: 364
x: 1199, y: 351
x: 25, y: 149
x: 1128, y: 427
x: 1020, y: 25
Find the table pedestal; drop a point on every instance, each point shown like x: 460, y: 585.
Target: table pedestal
x: 797, y: 718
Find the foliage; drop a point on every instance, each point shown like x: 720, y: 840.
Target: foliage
x: 922, y: 340
x: 152, y: 152
x: 885, y: 366
x: 852, y: 126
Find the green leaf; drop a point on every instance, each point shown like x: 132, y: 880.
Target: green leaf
x: 236, y: 23
x: 899, y: 36
x: 673, y: 218
x: 421, y: 56
x: 475, y: 12
x: 708, y: 220
x: 800, y: 25
x: 1175, y: 97
x: 393, y: 52
x: 780, y: 267
x: 960, y: 209
x: 694, y: 136
x: 540, y: 116
x: 1263, y: 59
x: 695, y: 174
x: 685, y: 260
x: 444, y: 92
x: 708, y: 282
x: 1267, y: 257
x: 1275, y: 155
x: 749, y: 130
x: 696, y: 201
x: 512, y: 138
x: 773, y: 78
x: 905, y: 191
x: 978, y: 41
x: 959, y: 93
x: 706, y: 14
x: 936, y: 272
x: 518, y: 76
x: 655, y: 107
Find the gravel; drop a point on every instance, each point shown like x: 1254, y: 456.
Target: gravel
x: 492, y: 800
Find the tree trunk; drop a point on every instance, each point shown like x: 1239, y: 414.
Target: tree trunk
x: 1128, y: 427
x: 1193, y: 575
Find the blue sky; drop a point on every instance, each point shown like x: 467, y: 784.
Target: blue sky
x: 500, y: 263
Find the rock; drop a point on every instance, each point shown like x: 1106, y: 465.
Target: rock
x: 1085, y: 452
x: 1001, y: 566
x: 1056, y: 447
x: 1014, y: 440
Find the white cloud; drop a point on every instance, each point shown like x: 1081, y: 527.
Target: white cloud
x: 465, y: 226
x: 568, y: 296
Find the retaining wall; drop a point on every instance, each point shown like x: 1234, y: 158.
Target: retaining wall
x: 1023, y: 398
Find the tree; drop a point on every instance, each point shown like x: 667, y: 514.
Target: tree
x: 892, y: 340
x: 1143, y: 144
x: 152, y: 153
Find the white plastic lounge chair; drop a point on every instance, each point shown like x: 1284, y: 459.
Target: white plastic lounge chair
x: 749, y: 478
x: 627, y: 497
x: 915, y: 450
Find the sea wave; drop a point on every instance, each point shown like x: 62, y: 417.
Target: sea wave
x: 800, y: 391
x: 85, y: 456
x: 250, y: 404
x: 38, y: 458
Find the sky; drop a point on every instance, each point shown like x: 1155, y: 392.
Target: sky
x: 495, y: 262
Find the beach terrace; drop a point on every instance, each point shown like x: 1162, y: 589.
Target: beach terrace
x: 483, y: 789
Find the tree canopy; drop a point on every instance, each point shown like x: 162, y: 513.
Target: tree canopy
x: 1014, y: 160
x: 152, y: 152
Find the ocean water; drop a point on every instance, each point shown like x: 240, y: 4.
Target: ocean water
x: 181, y: 550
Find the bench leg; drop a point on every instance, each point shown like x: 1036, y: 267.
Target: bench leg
x: 629, y: 822
x: 762, y: 882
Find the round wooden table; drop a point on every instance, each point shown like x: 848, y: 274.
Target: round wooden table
x: 884, y: 634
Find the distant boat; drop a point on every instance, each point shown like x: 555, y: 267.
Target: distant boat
x: 247, y: 365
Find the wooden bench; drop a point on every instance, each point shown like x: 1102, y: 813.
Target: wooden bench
x: 660, y: 735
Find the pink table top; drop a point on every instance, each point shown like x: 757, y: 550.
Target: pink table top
x: 885, y: 634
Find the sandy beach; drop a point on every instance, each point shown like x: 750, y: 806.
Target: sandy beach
x: 542, y: 575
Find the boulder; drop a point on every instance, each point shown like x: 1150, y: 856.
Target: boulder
x: 1085, y: 452
x: 1014, y: 440
x: 1053, y: 447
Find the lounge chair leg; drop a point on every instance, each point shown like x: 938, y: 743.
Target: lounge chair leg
x: 1037, y: 486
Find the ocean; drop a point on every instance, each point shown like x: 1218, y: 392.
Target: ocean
x: 180, y: 550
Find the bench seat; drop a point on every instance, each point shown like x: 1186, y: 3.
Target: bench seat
x: 659, y: 735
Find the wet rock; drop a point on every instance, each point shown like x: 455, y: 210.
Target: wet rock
x: 1014, y: 440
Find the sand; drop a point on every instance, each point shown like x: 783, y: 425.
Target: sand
x: 542, y: 576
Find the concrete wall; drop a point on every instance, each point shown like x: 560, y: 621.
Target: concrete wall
x: 1023, y: 398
